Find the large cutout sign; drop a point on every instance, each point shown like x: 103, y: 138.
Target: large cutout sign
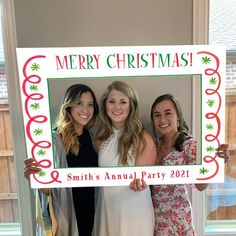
x: 44, y: 71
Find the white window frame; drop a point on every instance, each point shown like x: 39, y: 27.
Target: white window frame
x: 201, y: 36
x: 27, y: 218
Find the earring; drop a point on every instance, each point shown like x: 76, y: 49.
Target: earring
x: 178, y: 123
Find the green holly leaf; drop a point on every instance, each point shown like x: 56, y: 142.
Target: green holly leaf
x: 212, y: 81
x: 210, y: 149
x: 34, y: 88
x: 209, y: 127
x: 35, y: 67
x: 41, y: 152
x: 204, y: 171
x: 42, y: 173
x: 210, y: 102
x: 206, y: 60
x: 35, y: 106
x: 38, y: 131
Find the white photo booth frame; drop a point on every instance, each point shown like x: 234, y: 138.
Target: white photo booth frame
x: 37, y: 65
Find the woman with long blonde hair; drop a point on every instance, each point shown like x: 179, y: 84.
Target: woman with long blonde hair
x: 123, y: 141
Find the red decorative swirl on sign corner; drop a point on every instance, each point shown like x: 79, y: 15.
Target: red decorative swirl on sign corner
x: 34, y: 96
x: 210, y: 71
x: 211, y: 137
x: 30, y: 77
x: 219, y: 106
x: 36, y: 79
x: 29, y: 60
x: 216, y: 59
x: 210, y: 159
x: 54, y: 176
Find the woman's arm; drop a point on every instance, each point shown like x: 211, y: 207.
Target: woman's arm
x: 190, y: 149
x: 148, y: 154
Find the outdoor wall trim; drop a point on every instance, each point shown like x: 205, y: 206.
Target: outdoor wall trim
x: 24, y: 192
x: 200, y: 36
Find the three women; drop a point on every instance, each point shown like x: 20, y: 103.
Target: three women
x: 122, y: 141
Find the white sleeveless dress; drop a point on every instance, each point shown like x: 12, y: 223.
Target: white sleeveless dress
x: 121, y: 211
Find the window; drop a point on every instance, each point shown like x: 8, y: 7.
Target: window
x: 3, y: 80
x: 26, y: 226
x: 221, y: 197
x: 9, y: 212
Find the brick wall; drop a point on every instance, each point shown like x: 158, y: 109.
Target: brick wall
x: 231, y: 78
x: 3, y: 87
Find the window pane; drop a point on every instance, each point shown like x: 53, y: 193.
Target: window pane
x: 2, y: 59
x: 9, y: 213
x: 3, y: 86
x: 221, y: 197
x: 3, y: 80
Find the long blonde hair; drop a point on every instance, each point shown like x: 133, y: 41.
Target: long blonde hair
x: 132, y: 134
x: 65, y: 122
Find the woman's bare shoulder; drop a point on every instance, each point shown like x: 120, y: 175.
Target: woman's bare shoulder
x: 148, y: 137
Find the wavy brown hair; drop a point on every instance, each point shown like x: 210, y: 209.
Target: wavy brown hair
x: 131, y: 138
x: 65, y: 124
x: 182, y: 128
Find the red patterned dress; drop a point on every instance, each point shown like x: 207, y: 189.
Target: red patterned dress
x: 172, y: 207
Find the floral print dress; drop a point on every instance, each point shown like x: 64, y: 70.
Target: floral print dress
x: 172, y: 207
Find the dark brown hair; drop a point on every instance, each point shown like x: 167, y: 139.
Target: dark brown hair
x: 182, y: 128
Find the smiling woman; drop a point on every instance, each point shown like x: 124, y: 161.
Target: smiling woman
x: 176, y: 146
x: 69, y: 211
x: 117, y: 108
x: 123, y: 141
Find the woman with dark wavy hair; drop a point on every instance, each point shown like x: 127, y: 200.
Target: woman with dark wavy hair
x: 69, y: 211
x: 175, y: 146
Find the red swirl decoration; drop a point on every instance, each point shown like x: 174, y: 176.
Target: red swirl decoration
x: 213, y: 115
x: 43, y: 144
